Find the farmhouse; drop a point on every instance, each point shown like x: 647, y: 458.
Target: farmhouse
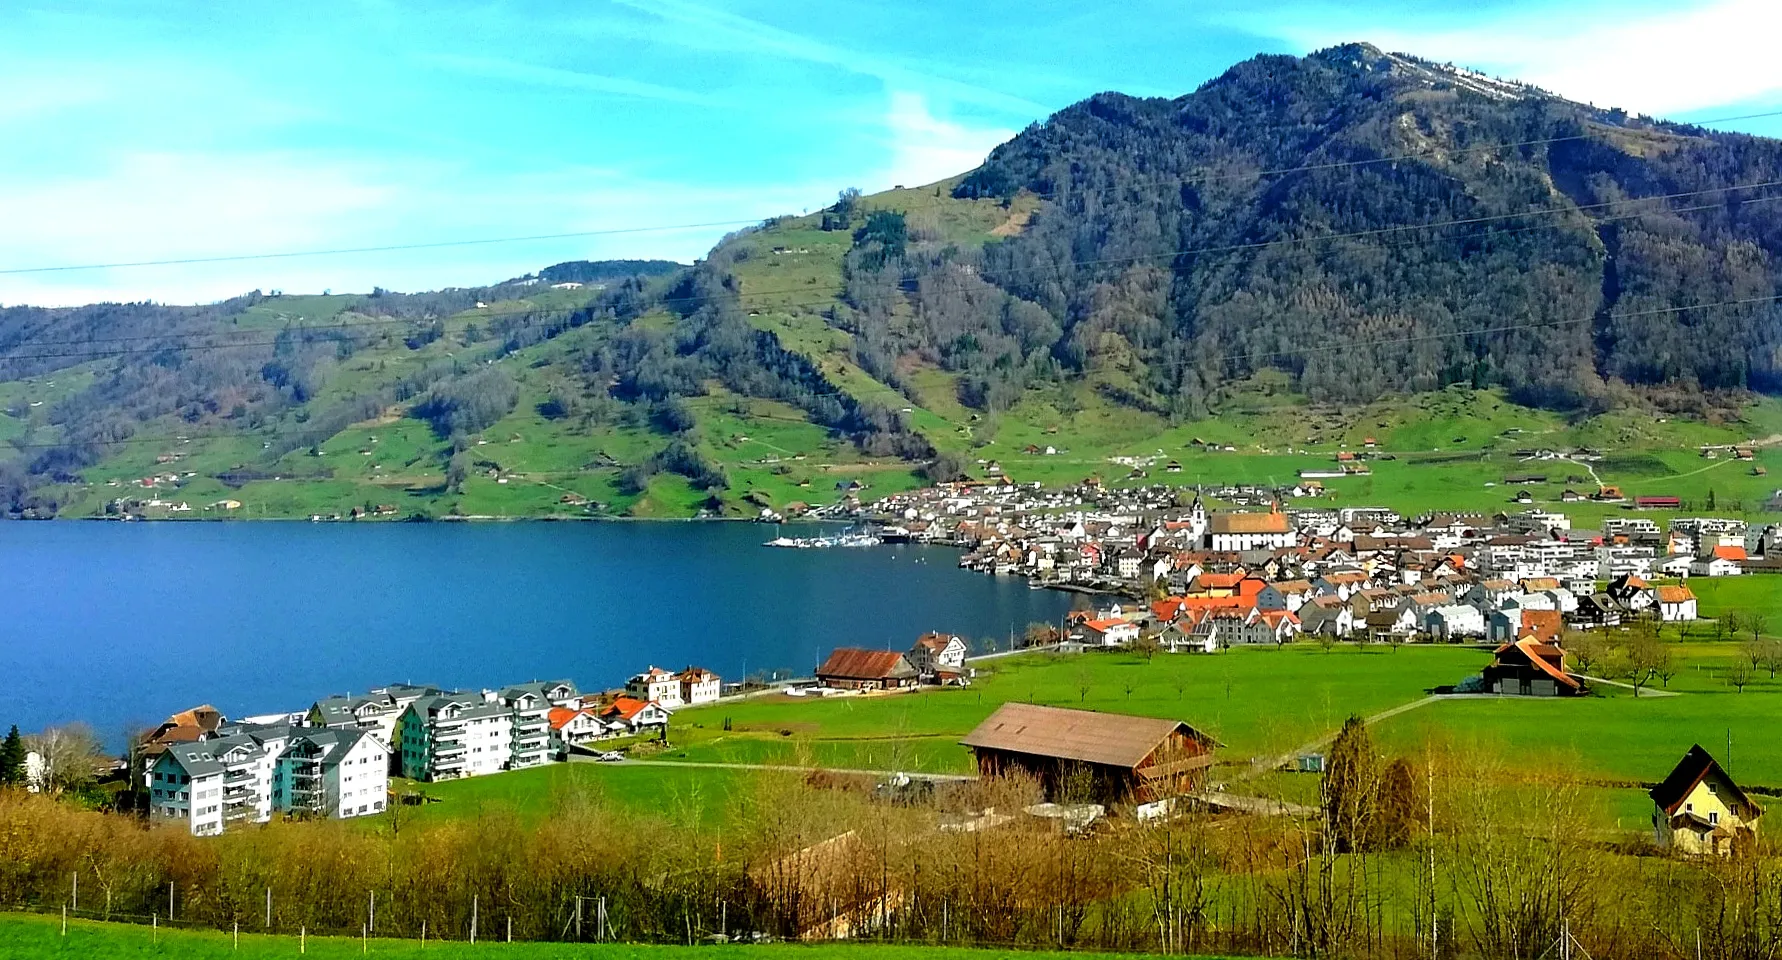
x: 1699, y: 810
x: 938, y: 653
x: 1530, y: 668
x: 851, y: 668
x: 1085, y: 756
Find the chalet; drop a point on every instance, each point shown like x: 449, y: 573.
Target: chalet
x: 1675, y: 603
x: 938, y: 653
x: 631, y: 715
x: 574, y: 726
x: 1632, y: 592
x: 1597, y: 610
x: 1327, y: 616
x: 1530, y: 668
x: 852, y: 668
x: 1699, y: 810
x: 1109, y: 632
x: 1083, y: 755
x: 1657, y: 503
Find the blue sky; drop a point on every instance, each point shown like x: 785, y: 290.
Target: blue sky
x: 152, y: 129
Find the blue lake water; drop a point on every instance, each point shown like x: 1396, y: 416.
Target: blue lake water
x: 120, y: 624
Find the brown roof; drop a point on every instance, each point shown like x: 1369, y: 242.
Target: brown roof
x: 853, y: 663
x: 1107, y: 739
x: 936, y: 642
x: 1671, y: 594
x: 1249, y: 522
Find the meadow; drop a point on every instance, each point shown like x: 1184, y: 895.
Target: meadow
x: 30, y: 937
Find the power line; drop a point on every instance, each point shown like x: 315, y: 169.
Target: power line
x: 487, y: 241
x: 1051, y: 267
x: 387, y: 248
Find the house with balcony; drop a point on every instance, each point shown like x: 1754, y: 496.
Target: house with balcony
x: 332, y: 774
x: 461, y: 734
x: 530, y: 705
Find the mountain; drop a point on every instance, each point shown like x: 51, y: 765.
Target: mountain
x: 1549, y: 282
x: 1301, y: 252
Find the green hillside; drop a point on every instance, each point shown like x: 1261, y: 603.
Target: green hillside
x: 1089, y: 292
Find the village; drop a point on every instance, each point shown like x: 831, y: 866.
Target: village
x: 1207, y: 579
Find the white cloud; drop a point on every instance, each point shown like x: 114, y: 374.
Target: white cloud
x: 925, y: 148
x: 1660, y: 62
x: 173, y: 206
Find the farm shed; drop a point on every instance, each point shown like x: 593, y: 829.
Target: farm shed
x: 1083, y: 755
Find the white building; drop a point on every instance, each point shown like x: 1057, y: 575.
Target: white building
x: 1236, y: 532
x: 699, y: 685
x: 186, y: 783
x: 530, y: 705
x: 656, y: 684
x: 333, y: 774
x: 937, y: 653
x: 451, y: 735
x: 1675, y: 603
x: 1454, y: 621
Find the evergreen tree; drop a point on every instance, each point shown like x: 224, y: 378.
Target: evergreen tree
x: 12, y: 757
x: 1351, y: 787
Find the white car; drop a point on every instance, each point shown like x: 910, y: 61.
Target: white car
x: 610, y: 756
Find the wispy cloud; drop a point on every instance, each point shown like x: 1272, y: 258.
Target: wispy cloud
x: 164, y: 206
x: 720, y: 30
x: 1670, y: 61
x: 510, y: 70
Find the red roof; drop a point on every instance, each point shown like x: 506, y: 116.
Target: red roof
x: 625, y: 707
x: 560, y: 717
x: 1730, y: 553
x: 1541, y: 625
x: 1541, y: 656
x: 853, y: 663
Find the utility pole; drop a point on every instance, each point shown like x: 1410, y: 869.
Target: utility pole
x: 473, y: 904
x: 269, y: 908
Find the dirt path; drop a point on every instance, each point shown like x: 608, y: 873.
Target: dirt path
x: 1648, y: 691
x: 782, y: 768
x: 1264, y: 765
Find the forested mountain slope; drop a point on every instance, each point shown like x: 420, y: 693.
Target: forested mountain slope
x: 1302, y: 253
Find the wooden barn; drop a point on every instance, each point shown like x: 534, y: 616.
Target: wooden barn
x: 851, y: 668
x: 1083, y: 755
x: 1530, y: 668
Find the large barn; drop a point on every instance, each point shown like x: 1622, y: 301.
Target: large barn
x: 1082, y: 755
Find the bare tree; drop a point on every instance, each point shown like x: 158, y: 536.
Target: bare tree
x: 1646, y: 656
x: 1739, y: 673
x: 70, y: 754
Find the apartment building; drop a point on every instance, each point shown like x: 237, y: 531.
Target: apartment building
x: 378, y: 711
x: 530, y: 709
x: 460, y: 734
x: 218, y: 781
x: 333, y: 774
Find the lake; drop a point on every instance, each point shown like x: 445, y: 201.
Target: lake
x: 120, y: 624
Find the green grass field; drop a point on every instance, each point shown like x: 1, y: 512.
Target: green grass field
x: 1236, y: 696
x: 30, y: 937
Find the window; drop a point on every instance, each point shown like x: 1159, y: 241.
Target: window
x: 1713, y: 816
